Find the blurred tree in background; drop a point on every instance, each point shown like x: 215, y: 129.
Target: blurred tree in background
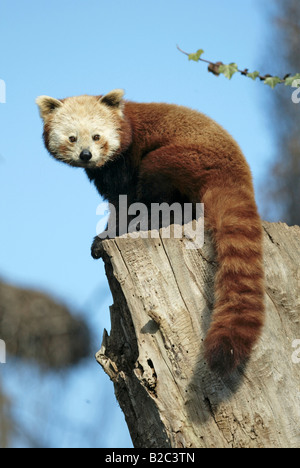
x: 35, y: 327
x: 38, y: 330
x: 283, y: 181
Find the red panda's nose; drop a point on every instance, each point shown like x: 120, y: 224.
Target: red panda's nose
x: 85, y: 155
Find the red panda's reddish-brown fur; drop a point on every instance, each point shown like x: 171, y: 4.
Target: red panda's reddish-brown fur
x: 171, y: 153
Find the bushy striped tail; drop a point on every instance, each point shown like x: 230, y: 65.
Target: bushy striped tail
x: 231, y: 215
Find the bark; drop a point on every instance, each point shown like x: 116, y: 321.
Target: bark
x: 163, y: 299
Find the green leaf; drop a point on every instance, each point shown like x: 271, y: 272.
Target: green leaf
x: 253, y: 75
x: 289, y: 81
x: 272, y: 81
x: 228, y: 70
x: 196, y: 56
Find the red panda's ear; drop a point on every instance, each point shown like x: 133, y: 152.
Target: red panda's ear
x: 47, y: 105
x: 113, y: 98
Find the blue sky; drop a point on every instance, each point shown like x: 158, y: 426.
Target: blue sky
x: 70, y: 47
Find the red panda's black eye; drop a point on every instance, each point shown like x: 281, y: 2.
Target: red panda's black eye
x: 96, y: 137
x: 72, y: 139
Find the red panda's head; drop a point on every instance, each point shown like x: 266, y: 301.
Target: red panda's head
x: 83, y: 131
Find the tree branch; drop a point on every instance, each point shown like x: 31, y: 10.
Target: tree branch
x: 218, y: 68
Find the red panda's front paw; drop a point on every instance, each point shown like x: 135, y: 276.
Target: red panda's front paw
x: 97, y: 248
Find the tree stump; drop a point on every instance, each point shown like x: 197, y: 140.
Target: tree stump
x: 163, y: 299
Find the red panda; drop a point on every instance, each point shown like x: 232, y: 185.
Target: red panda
x: 166, y: 153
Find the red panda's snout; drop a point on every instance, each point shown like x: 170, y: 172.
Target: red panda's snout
x: 85, y: 155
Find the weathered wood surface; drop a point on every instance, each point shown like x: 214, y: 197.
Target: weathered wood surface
x: 163, y: 298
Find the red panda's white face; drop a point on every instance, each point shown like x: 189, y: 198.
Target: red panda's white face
x: 82, y: 131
